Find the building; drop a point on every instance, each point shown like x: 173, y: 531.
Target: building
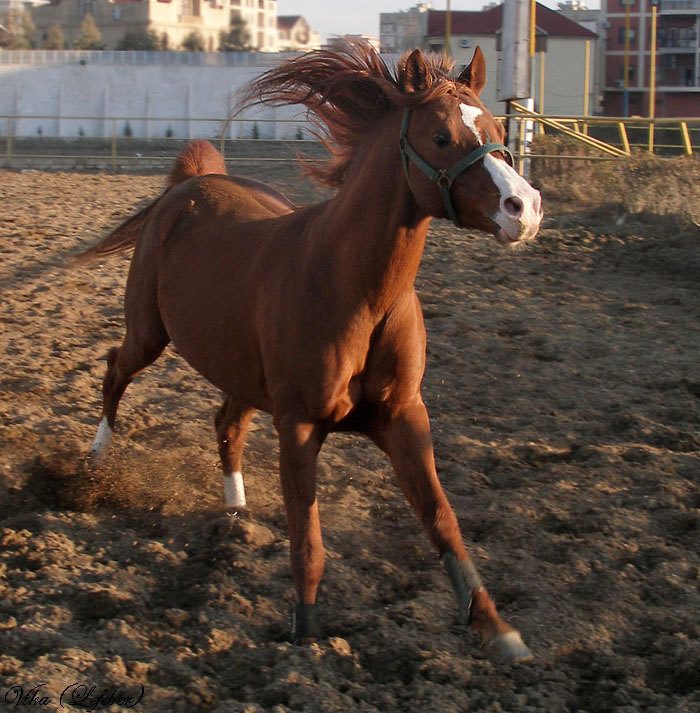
x: 592, y: 20
x: 677, y: 57
x: 174, y: 19
x: 564, y: 44
x: 340, y: 39
x: 294, y: 34
x: 404, y: 30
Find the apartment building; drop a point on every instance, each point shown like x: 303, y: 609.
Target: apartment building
x: 557, y: 77
x: 403, y: 30
x: 628, y: 35
x: 174, y: 19
x: 294, y: 34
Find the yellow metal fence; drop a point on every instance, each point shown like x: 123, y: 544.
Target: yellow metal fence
x: 605, y: 138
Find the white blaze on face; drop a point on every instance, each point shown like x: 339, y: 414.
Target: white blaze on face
x: 520, y: 207
x: 469, y: 117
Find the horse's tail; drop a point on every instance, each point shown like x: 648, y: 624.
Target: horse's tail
x: 198, y: 158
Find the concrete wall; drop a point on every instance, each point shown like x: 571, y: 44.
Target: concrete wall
x: 162, y: 99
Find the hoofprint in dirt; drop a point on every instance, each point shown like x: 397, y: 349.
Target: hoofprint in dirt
x: 563, y: 386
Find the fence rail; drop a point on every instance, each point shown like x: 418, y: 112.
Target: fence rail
x: 142, y: 57
x: 614, y: 137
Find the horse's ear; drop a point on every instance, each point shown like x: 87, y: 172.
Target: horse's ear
x: 414, y: 73
x: 474, y: 74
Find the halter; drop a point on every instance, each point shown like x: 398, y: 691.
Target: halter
x: 444, y: 177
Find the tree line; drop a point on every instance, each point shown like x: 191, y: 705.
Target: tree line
x: 17, y: 31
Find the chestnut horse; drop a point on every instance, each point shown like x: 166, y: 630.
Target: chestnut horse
x: 310, y: 314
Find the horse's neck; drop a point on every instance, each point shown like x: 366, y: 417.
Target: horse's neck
x: 375, y: 224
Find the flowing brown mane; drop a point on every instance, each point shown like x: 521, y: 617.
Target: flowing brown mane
x: 346, y: 91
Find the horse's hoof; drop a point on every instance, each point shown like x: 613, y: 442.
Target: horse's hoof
x: 306, y: 626
x: 508, y: 648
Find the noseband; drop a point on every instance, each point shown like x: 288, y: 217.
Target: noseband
x: 444, y: 177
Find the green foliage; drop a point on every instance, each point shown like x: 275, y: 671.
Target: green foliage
x: 54, y: 38
x: 194, y: 42
x: 237, y: 39
x: 90, y: 37
x: 141, y: 40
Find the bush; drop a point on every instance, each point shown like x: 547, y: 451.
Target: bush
x: 141, y: 40
x: 194, y: 42
x: 54, y: 38
x: 90, y: 37
x: 237, y: 39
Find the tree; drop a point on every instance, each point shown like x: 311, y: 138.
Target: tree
x: 18, y: 30
x: 194, y: 42
x: 237, y: 38
x: 140, y: 40
x: 28, y: 27
x: 54, y: 38
x: 90, y: 37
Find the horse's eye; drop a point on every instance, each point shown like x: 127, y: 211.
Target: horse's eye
x: 441, y: 140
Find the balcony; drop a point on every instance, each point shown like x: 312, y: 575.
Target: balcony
x: 679, y: 7
x: 678, y: 46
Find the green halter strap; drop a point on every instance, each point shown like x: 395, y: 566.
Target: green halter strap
x: 444, y: 177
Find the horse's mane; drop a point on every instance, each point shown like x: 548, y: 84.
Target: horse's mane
x: 346, y: 91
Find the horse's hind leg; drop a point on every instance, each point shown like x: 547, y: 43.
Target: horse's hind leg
x: 142, y: 345
x: 232, y: 421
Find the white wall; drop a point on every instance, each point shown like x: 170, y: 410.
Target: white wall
x: 163, y: 93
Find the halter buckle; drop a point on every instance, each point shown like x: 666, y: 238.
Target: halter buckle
x: 444, y: 180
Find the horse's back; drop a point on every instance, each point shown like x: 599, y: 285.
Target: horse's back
x: 239, y: 199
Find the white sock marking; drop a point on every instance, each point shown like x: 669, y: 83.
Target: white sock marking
x: 469, y: 116
x: 234, y: 490
x: 100, y: 445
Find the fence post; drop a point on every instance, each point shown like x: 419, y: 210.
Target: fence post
x: 686, y: 139
x: 651, y: 136
x: 9, y: 141
x: 623, y: 136
x: 114, y: 144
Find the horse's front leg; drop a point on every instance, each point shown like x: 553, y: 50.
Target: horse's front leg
x: 300, y: 442
x: 403, y: 432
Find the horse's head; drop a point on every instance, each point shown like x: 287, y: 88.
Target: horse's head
x: 455, y: 160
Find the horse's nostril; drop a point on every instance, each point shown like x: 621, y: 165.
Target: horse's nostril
x: 513, y: 206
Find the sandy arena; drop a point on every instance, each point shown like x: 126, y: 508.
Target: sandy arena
x: 563, y: 384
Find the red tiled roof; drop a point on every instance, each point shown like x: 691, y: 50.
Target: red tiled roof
x: 286, y: 22
x: 488, y: 22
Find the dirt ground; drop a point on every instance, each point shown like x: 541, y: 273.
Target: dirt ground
x: 563, y: 384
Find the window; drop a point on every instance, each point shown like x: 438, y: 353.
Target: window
x: 86, y: 6
x: 621, y: 35
x: 630, y: 72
